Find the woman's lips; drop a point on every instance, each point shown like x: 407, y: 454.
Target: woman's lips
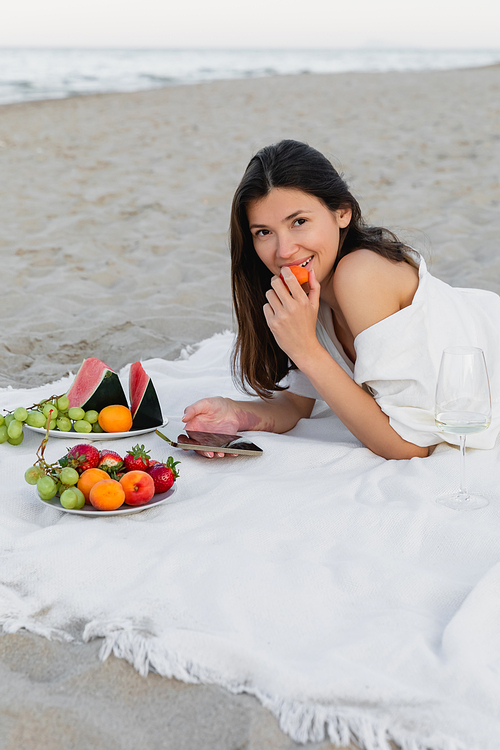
x: 304, y: 263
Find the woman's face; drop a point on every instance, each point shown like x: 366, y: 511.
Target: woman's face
x: 293, y: 228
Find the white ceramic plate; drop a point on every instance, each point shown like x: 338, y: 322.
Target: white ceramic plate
x: 93, y: 435
x: 89, y: 510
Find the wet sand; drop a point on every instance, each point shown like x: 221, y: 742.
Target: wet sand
x: 114, y: 213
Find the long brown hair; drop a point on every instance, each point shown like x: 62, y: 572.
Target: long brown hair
x: 258, y: 363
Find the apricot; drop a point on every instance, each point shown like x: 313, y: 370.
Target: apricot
x: 301, y: 274
x: 115, y: 418
x: 108, y: 494
x: 139, y: 487
x: 88, y: 479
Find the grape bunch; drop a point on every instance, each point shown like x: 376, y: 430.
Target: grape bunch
x: 60, y: 478
x: 51, y: 480
x: 53, y: 413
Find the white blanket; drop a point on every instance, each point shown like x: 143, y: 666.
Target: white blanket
x: 320, y: 578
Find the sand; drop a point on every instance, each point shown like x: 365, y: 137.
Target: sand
x: 114, y: 213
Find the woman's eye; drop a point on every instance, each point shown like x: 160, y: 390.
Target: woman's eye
x: 261, y: 232
x: 299, y: 222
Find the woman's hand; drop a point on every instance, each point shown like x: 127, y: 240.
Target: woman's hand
x: 211, y: 415
x: 291, y: 314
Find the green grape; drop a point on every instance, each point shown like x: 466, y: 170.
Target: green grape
x: 69, y: 499
x: 47, y: 496
x: 64, y: 424
x: 36, y: 419
x: 33, y: 474
x: 97, y: 427
x: 15, y: 429
x: 17, y: 441
x: 53, y: 424
x: 48, y: 408
x: 82, y: 426
x: 46, y: 487
x: 81, y: 498
x: 3, y: 434
x: 76, y: 413
x: 2, y: 419
x: 92, y: 416
x: 9, y: 418
x: 62, y: 403
x: 20, y: 414
x: 69, y: 476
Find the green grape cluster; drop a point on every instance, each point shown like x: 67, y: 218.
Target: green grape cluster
x: 51, y: 479
x: 53, y: 413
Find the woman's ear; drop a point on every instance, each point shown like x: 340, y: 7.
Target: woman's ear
x: 344, y: 216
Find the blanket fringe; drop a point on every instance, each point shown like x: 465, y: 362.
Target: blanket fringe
x: 11, y: 625
x: 301, y: 721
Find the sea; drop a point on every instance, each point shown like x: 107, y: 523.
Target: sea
x: 34, y: 74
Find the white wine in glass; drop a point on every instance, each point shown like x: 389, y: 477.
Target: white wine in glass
x: 463, y: 407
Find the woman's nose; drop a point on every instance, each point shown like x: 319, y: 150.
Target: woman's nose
x: 286, y: 248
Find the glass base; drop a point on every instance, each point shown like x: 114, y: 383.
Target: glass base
x: 463, y: 501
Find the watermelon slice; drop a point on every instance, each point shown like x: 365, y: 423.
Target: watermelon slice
x: 144, y: 403
x: 96, y: 386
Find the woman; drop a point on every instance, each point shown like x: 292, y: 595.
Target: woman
x: 296, y: 344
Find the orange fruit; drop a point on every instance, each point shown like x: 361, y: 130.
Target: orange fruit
x: 115, y: 418
x: 301, y: 274
x: 88, y: 479
x: 107, y: 494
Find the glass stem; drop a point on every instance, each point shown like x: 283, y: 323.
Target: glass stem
x: 463, y: 491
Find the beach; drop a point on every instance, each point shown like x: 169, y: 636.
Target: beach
x: 114, y: 214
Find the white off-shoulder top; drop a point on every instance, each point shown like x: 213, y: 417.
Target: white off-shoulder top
x: 398, y: 358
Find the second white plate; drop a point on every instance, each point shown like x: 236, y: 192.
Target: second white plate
x: 124, y: 510
x: 94, y: 435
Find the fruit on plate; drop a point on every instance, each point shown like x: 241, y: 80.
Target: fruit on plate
x: 107, y: 494
x: 81, y: 457
x: 115, y: 418
x: 95, y: 388
x: 144, y: 402
x: 64, y: 479
x: 72, y: 499
x: 300, y: 273
x: 88, y: 479
x: 111, y: 462
x: 137, y: 459
x: 96, y: 385
x: 139, y: 487
x: 163, y: 474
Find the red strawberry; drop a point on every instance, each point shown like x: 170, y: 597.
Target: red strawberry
x: 137, y: 459
x: 81, y: 457
x: 164, y: 475
x: 110, y: 462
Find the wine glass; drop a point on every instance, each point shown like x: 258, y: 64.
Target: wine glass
x: 463, y: 406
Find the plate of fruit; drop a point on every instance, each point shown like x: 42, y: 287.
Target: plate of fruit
x: 89, y: 482
x: 95, y: 405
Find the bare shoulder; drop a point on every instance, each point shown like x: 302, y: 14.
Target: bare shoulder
x: 369, y: 288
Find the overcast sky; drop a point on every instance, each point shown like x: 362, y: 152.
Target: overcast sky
x: 251, y: 23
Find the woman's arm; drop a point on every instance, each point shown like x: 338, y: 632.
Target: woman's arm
x: 355, y: 408
x: 365, y: 290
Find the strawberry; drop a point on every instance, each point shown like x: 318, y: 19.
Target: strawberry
x: 110, y: 462
x: 164, y: 475
x: 137, y: 459
x: 81, y: 457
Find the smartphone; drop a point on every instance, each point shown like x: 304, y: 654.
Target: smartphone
x: 214, y: 441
